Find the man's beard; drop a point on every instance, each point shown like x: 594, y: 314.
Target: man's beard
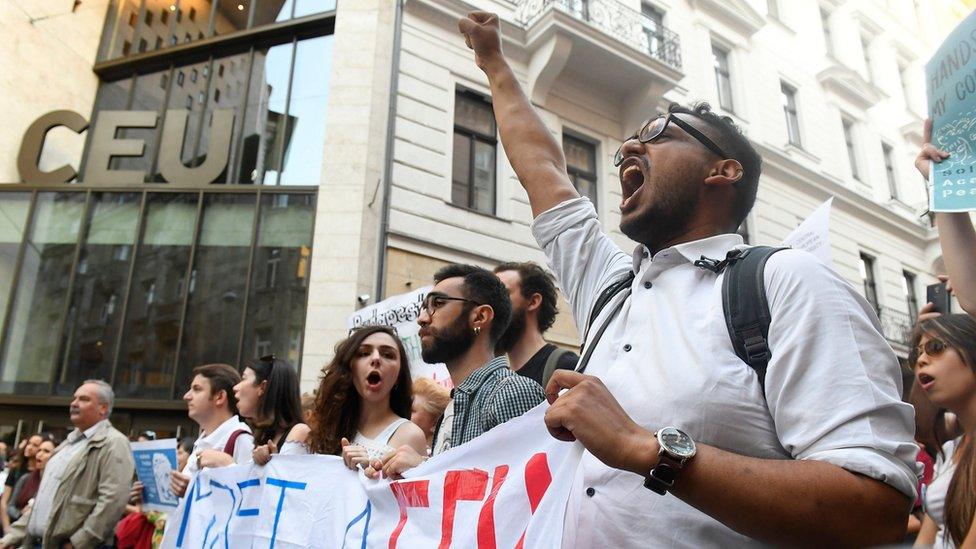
x: 453, y: 342
x: 665, y: 218
x: 513, y: 333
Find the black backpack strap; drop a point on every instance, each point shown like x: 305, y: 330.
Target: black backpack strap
x: 605, y: 297
x: 746, y: 307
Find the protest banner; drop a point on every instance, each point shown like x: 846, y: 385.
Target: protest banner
x: 155, y: 460
x: 507, y: 488
x: 950, y: 81
x: 813, y: 235
x: 401, y: 312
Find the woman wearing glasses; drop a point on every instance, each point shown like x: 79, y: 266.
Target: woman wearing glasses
x: 944, y: 357
x: 362, y: 407
x: 269, y: 397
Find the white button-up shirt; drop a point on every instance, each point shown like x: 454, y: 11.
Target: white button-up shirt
x: 51, y: 479
x: 833, y: 385
x: 217, y: 440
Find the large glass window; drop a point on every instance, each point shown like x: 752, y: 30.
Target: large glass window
x: 95, y: 313
x: 306, y: 113
x: 159, y: 283
x: 653, y: 23
x: 215, y: 308
x: 170, y: 22
x: 473, y: 182
x: 276, y: 100
x: 13, y: 220
x: 31, y: 341
x: 581, y: 166
x: 827, y: 35
x: 275, y: 317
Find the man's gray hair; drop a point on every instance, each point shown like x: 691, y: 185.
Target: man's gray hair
x: 105, y: 393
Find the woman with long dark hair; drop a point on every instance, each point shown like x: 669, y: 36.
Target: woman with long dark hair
x: 269, y: 398
x: 362, y: 407
x: 944, y: 356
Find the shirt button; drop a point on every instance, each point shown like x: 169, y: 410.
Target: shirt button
x: 647, y: 285
x: 590, y: 491
x: 627, y: 348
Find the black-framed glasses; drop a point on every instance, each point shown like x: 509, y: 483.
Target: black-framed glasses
x: 432, y: 302
x: 653, y: 128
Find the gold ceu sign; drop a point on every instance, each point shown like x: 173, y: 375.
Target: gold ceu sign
x: 105, y: 145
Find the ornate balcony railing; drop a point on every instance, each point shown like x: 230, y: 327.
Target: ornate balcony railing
x: 896, y: 325
x: 614, y: 19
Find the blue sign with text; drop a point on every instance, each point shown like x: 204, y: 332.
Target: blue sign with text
x: 950, y: 82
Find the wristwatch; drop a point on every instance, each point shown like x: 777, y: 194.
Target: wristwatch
x: 676, y: 449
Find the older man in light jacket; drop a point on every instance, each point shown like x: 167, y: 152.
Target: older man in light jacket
x: 86, y: 482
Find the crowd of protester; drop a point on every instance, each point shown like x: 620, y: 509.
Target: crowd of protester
x: 771, y: 463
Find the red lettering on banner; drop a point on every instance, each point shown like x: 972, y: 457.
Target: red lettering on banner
x: 486, y: 520
x: 468, y: 485
x: 537, y: 481
x: 409, y: 493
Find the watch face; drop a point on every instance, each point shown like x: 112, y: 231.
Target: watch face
x: 676, y: 442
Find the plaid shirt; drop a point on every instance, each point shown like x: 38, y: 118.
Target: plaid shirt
x: 490, y: 396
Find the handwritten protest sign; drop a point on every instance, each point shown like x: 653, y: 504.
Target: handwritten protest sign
x: 506, y: 488
x: 950, y: 78
x: 155, y: 460
x: 813, y: 235
x: 401, y: 312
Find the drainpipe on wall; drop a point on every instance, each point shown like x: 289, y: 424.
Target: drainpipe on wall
x: 387, y: 182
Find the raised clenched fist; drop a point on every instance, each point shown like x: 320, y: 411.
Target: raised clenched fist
x: 481, y: 33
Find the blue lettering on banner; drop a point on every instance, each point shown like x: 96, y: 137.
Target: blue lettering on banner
x: 206, y: 534
x: 233, y: 503
x: 194, y: 488
x: 284, y: 485
x: 251, y: 512
x: 367, y: 512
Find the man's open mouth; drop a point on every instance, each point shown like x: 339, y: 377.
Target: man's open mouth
x: 631, y: 180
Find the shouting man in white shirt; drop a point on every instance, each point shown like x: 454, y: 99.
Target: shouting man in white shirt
x: 818, y: 452
x: 224, y: 438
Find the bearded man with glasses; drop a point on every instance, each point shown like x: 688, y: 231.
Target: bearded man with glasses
x: 817, y: 452
x: 461, y: 321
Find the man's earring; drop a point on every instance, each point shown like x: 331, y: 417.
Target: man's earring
x: 477, y: 330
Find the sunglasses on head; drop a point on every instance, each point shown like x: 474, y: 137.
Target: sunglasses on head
x: 385, y: 326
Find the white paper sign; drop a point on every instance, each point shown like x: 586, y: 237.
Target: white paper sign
x: 813, y: 235
x: 506, y: 488
x: 401, y: 312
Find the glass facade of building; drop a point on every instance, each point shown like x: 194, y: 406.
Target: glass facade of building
x: 193, y: 251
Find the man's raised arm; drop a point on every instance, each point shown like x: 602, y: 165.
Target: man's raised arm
x: 536, y: 157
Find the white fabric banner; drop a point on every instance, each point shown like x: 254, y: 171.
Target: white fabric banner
x: 401, y: 312
x: 507, y: 488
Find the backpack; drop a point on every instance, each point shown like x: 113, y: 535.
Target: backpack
x: 551, y: 362
x: 232, y: 441
x: 743, y: 300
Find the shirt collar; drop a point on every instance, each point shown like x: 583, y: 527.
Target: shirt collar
x: 713, y: 247
x: 478, y: 377
x: 88, y: 433
x: 231, y: 424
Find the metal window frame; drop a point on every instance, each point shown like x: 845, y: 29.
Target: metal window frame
x: 886, y: 152
x: 870, y: 282
x: 848, y: 126
x: 576, y: 172
x: 723, y: 75
x: 473, y: 137
x: 911, y: 295
x: 792, y: 116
